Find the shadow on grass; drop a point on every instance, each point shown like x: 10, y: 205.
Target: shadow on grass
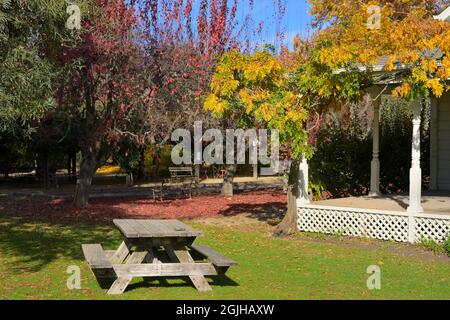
x: 271, y: 213
x: 32, y: 245
x: 180, y: 282
x: 34, y: 234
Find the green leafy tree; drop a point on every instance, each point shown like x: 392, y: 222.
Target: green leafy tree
x: 31, y: 34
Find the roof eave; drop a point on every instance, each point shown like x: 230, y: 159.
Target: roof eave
x: 444, y: 16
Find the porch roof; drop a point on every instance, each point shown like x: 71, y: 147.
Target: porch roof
x: 383, y: 77
x: 444, y: 16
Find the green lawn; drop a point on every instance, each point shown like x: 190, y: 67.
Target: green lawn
x: 34, y: 258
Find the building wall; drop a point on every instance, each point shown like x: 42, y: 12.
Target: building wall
x: 443, y: 143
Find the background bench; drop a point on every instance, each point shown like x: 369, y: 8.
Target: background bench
x: 181, y: 174
x: 177, y: 175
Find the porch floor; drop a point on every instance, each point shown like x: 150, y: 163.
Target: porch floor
x: 433, y: 202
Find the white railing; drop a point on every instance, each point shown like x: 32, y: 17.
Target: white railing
x: 377, y: 224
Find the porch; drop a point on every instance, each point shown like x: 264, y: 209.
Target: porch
x: 433, y: 202
x: 411, y: 217
x: 379, y: 217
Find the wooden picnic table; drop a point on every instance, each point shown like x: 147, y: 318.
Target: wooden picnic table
x: 155, y: 248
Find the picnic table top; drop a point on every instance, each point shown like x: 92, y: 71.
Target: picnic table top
x: 132, y: 229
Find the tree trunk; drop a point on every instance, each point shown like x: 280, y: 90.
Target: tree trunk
x: 227, y: 187
x: 289, y: 224
x: 197, y: 173
x: 87, y: 171
x: 130, y: 179
x: 46, y: 173
x: 72, y: 165
x: 69, y: 166
x: 141, y: 166
x: 156, y: 163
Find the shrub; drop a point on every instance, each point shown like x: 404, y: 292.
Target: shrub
x: 447, y: 245
x: 431, y: 245
x: 341, y: 162
x: 165, y: 161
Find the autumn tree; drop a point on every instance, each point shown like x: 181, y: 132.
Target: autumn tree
x: 226, y: 103
x: 181, y: 46
x: 327, y: 70
x: 281, y: 92
x: 336, y: 64
x: 100, y: 86
x: 404, y: 31
x: 140, y: 71
x: 259, y: 90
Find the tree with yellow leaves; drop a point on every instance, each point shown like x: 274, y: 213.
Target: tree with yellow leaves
x: 241, y: 91
x: 263, y: 90
x: 405, y: 31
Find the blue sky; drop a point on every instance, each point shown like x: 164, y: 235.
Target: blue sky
x: 295, y: 21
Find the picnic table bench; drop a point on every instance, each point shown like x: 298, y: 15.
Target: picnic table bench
x: 155, y: 248
x: 178, y: 175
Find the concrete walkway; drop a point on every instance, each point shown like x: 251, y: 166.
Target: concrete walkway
x: 207, y: 186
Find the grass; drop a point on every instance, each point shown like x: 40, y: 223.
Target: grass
x: 34, y: 258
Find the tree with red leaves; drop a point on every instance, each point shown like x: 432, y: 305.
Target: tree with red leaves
x: 140, y: 70
x: 101, y: 86
x: 181, y: 51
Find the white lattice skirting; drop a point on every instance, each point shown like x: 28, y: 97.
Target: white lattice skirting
x: 383, y: 225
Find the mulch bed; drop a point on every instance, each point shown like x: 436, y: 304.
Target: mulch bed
x: 204, y: 206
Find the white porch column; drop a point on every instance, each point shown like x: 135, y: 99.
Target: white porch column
x: 303, y: 183
x: 415, y: 177
x: 375, y: 165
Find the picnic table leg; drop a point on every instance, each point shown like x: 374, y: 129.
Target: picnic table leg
x: 152, y: 258
x: 119, y: 286
x: 183, y: 256
x: 121, y: 283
